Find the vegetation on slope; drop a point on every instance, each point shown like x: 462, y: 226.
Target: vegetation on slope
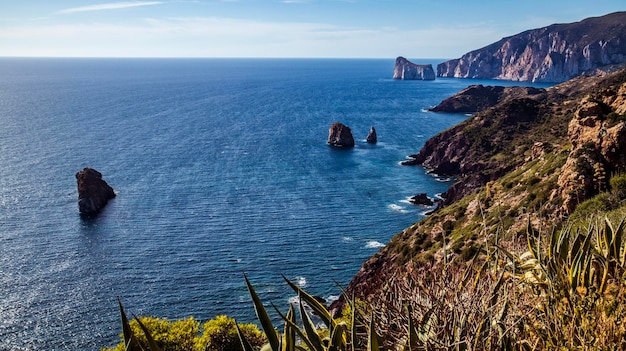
x: 528, y: 259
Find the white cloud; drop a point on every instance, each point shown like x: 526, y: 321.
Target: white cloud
x: 227, y: 37
x: 109, y: 6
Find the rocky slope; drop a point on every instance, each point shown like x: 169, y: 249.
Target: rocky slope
x: 554, y: 53
x: 476, y: 98
x: 533, y: 157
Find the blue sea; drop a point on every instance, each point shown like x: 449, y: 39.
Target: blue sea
x: 221, y: 168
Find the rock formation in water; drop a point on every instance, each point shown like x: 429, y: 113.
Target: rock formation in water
x: 476, y: 98
x: 93, y: 192
x: 340, y: 135
x: 371, y: 136
x: 421, y: 199
x: 554, y: 53
x: 406, y: 70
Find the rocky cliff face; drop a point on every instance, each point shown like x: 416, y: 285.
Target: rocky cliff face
x: 532, y: 158
x: 550, y: 54
x: 406, y: 70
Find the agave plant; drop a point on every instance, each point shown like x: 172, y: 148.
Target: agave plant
x: 307, y: 334
x: 575, y: 260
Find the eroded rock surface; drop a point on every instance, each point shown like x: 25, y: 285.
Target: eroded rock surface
x: 554, y: 53
x: 93, y: 192
x: 406, y: 70
x: 340, y: 135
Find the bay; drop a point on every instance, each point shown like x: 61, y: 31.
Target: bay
x: 220, y: 167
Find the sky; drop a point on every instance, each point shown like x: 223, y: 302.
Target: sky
x: 275, y: 28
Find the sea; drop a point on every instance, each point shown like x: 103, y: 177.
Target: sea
x: 221, y: 168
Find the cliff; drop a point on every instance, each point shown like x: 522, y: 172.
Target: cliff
x: 531, y: 158
x: 406, y: 70
x: 554, y: 53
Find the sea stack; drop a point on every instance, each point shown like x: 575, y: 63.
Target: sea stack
x: 371, y: 136
x: 406, y: 70
x: 340, y: 135
x: 93, y: 192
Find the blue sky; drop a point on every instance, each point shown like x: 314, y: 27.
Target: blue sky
x: 275, y: 28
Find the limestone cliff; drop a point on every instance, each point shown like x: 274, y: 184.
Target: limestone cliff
x: 406, y: 70
x: 554, y: 53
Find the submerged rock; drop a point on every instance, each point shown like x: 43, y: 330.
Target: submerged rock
x: 340, y: 135
x: 371, y: 136
x: 93, y: 192
x: 406, y: 70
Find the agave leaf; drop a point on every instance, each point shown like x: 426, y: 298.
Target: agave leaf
x: 303, y: 336
x: 412, y: 342
x: 309, y: 328
x: 579, y: 238
x: 266, y: 322
x: 373, y: 340
x: 338, y: 338
x: 151, y: 342
x: 533, y: 243
x: 130, y: 341
x: 353, y: 336
x: 317, y: 307
x: 289, y: 335
x: 578, y: 268
x: 616, y: 242
x: 245, y: 344
x: 601, y: 267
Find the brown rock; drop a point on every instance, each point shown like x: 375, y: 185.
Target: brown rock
x: 340, y: 135
x: 93, y: 192
x: 421, y: 199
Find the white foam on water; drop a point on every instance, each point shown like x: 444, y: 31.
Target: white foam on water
x: 373, y: 244
x: 301, y: 281
x: 397, y: 208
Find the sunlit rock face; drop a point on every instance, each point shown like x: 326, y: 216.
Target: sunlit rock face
x: 406, y: 70
x: 340, y: 135
x: 551, y: 54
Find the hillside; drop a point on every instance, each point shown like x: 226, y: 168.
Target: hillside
x: 533, y: 158
x: 554, y: 53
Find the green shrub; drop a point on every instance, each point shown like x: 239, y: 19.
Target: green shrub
x: 178, y: 335
x: 618, y: 186
x: 600, y: 203
x: 220, y: 334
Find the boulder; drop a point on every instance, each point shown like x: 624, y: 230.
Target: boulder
x: 421, y: 199
x: 406, y: 70
x: 93, y: 192
x: 340, y: 135
x: 371, y: 136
